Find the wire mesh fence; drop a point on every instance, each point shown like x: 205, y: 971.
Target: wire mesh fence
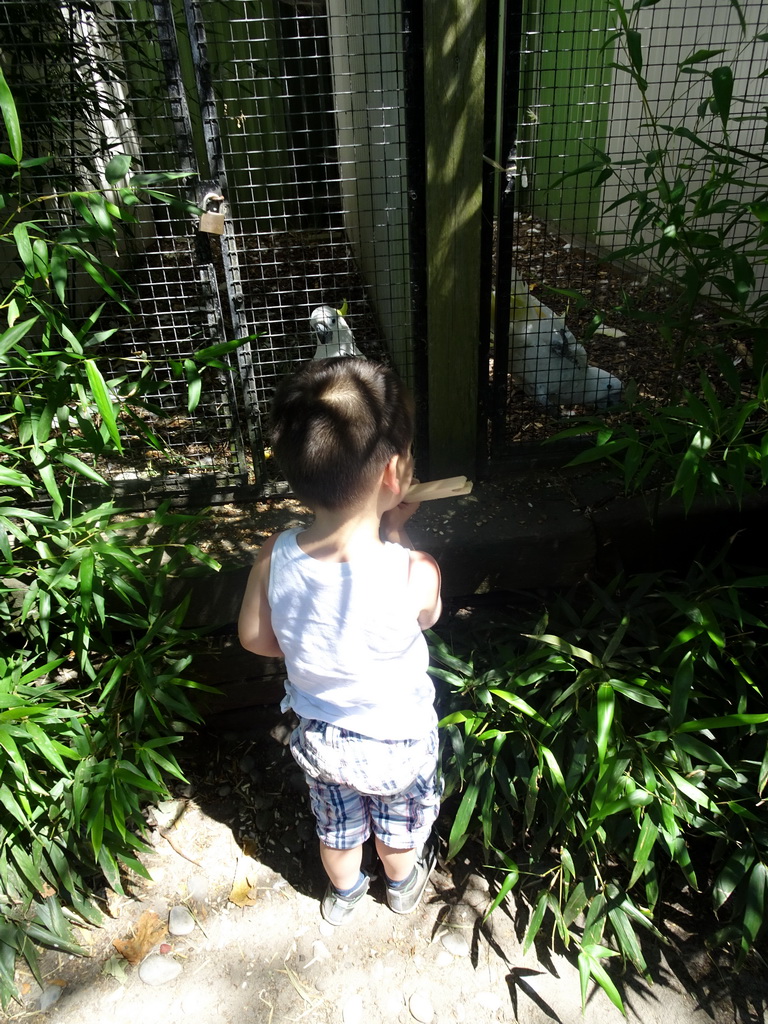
x: 639, y: 110
x: 301, y: 127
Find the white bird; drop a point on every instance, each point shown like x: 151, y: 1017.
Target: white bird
x: 334, y: 338
x: 553, y: 366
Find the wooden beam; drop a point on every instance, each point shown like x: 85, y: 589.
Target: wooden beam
x: 454, y: 44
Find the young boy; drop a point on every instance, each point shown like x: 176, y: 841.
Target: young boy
x: 345, y: 601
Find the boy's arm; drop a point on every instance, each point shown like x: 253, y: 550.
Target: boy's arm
x: 424, y: 584
x: 424, y: 578
x: 254, y: 626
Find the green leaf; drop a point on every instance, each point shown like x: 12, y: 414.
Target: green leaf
x: 643, y: 847
x: 117, y: 168
x: 627, y: 940
x: 101, y: 395
x: 59, y: 271
x: 565, y: 648
x: 723, y: 722
x: 535, y: 923
x: 24, y: 247
x: 194, y: 384
x: 757, y: 901
x: 700, y: 56
x: 519, y: 704
x: 13, y: 335
x: 460, y: 828
x: 43, y: 743
x: 510, y: 881
x: 589, y: 966
x: 635, y: 49
x: 13, y: 478
x: 605, y: 711
x: 11, y: 119
x: 722, y: 87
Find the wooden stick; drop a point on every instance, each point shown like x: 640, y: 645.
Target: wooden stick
x: 451, y: 487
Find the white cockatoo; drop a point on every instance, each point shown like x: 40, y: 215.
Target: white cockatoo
x: 552, y: 365
x: 334, y: 338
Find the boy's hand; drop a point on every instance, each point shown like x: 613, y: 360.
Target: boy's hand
x: 394, y: 519
x: 398, y: 516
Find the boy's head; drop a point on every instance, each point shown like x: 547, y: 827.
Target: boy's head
x: 335, y: 426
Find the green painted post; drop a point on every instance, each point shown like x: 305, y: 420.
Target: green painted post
x: 454, y: 44
x: 570, y: 104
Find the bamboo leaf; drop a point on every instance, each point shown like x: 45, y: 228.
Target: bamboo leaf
x: 757, y: 901
x: 605, y: 711
x: 589, y: 966
x: 627, y: 940
x: 102, y: 397
x: 459, y: 830
x: 699, y: 57
x: 735, y: 870
x: 117, y: 168
x: 646, y: 841
x: 519, y: 704
x: 13, y: 335
x: 11, y: 119
x: 722, y: 87
x: 535, y: 923
x: 723, y: 722
x: 565, y: 648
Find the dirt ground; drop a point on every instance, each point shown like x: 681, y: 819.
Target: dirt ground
x: 236, y: 848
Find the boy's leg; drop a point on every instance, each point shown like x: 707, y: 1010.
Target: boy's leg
x: 342, y: 866
x: 397, y: 864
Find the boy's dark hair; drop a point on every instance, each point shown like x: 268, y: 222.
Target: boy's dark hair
x: 335, y: 425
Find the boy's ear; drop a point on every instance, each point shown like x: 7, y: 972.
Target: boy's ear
x: 391, y: 477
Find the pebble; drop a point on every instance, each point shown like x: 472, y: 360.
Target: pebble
x: 488, y: 1000
x: 455, y: 943
x: 421, y: 1007
x: 352, y: 1010
x: 197, y: 888
x: 444, y: 959
x: 180, y: 921
x: 159, y: 970
x: 50, y: 995
x: 320, y: 951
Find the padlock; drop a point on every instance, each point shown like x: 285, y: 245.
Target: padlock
x: 212, y: 221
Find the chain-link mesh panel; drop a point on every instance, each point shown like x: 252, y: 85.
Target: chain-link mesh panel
x: 577, y: 96
x: 310, y: 100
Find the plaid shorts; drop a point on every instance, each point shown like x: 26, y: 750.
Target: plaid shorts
x: 358, y: 785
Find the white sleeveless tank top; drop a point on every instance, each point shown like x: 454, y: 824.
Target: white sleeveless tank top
x: 354, y: 653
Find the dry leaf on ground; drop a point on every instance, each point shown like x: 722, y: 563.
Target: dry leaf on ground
x: 148, y: 932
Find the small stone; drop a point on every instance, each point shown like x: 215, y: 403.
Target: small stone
x: 488, y: 1000
x: 421, y: 1007
x: 180, y: 921
x: 352, y: 1010
x: 455, y: 943
x: 263, y: 821
x: 444, y: 958
x: 50, y: 995
x: 159, y: 970
x: 320, y: 951
x: 197, y: 888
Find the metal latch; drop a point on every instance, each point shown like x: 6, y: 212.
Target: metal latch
x: 212, y: 218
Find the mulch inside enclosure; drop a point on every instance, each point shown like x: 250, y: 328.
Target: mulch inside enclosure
x: 641, y: 357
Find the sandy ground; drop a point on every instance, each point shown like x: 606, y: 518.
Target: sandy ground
x: 236, y: 848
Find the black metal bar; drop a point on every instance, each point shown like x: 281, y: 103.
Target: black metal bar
x: 512, y: 17
x: 229, y: 258
x: 490, y: 176
x: 416, y: 168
